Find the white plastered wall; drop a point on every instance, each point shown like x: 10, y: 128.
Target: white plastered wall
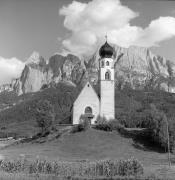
x: 87, y: 97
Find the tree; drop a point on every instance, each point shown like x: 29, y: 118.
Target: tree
x: 45, y: 116
x: 158, y: 126
x: 171, y: 122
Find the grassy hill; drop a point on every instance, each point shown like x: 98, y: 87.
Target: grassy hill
x: 18, y: 118
x: 92, y: 145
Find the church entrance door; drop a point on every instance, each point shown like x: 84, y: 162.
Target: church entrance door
x: 88, y: 116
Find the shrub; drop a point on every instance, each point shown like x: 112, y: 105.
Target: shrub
x: 83, y: 126
x: 134, y: 119
x: 105, y: 125
x: 44, y: 86
x: 101, y: 120
x: 114, y: 124
x: 77, y: 128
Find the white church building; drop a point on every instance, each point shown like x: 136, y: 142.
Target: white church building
x: 88, y: 104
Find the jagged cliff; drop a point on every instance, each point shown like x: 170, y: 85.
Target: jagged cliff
x: 38, y: 73
x: 135, y: 67
x: 138, y: 68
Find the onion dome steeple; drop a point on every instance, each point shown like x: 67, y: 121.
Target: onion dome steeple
x: 106, y: 51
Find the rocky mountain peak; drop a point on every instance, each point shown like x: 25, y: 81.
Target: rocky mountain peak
x: 135, y: 67
x: 35, y: 59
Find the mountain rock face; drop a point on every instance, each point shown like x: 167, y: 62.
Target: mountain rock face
x: 138, y: 68
x: 9, y: 87
x: 135, y: 67
x: 6, y: 87
x: 38, y: 73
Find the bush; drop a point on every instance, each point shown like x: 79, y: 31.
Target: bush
x: 114, y: 124
x: 103, y: 127
x: 83, y: 126
x: 77, y: 128
x: 103, y: 124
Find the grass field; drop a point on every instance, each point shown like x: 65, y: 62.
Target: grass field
x: 92, y: 145
x: 23, y: 176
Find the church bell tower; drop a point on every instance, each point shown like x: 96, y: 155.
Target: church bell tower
x: 107, y: 84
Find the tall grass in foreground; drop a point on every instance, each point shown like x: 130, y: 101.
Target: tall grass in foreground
x: 22, y: 176
x: 105, y: 168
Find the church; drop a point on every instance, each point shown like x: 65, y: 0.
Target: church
x: 88, y: 104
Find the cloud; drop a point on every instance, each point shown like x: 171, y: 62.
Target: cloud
x: 9, y: 69
x: 89, y: 22
x: 158, y: 30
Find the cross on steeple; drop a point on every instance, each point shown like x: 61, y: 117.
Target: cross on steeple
x: 106, y: 37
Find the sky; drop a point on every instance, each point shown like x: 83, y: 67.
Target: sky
x: 50, y: 26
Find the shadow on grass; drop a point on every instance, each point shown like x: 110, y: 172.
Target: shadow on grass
x: 146, y: 145
x: 42, y: 138
x: 141, y: 139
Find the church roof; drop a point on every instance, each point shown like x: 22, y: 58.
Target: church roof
x: 96, y: 89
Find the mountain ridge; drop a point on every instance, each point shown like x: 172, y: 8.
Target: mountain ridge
x: 135, y: 68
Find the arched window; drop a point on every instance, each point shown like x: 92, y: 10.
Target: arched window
x: 88, y: 110
x: 102, y: 64
x: 107, y: 76
x: 107, y: 63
